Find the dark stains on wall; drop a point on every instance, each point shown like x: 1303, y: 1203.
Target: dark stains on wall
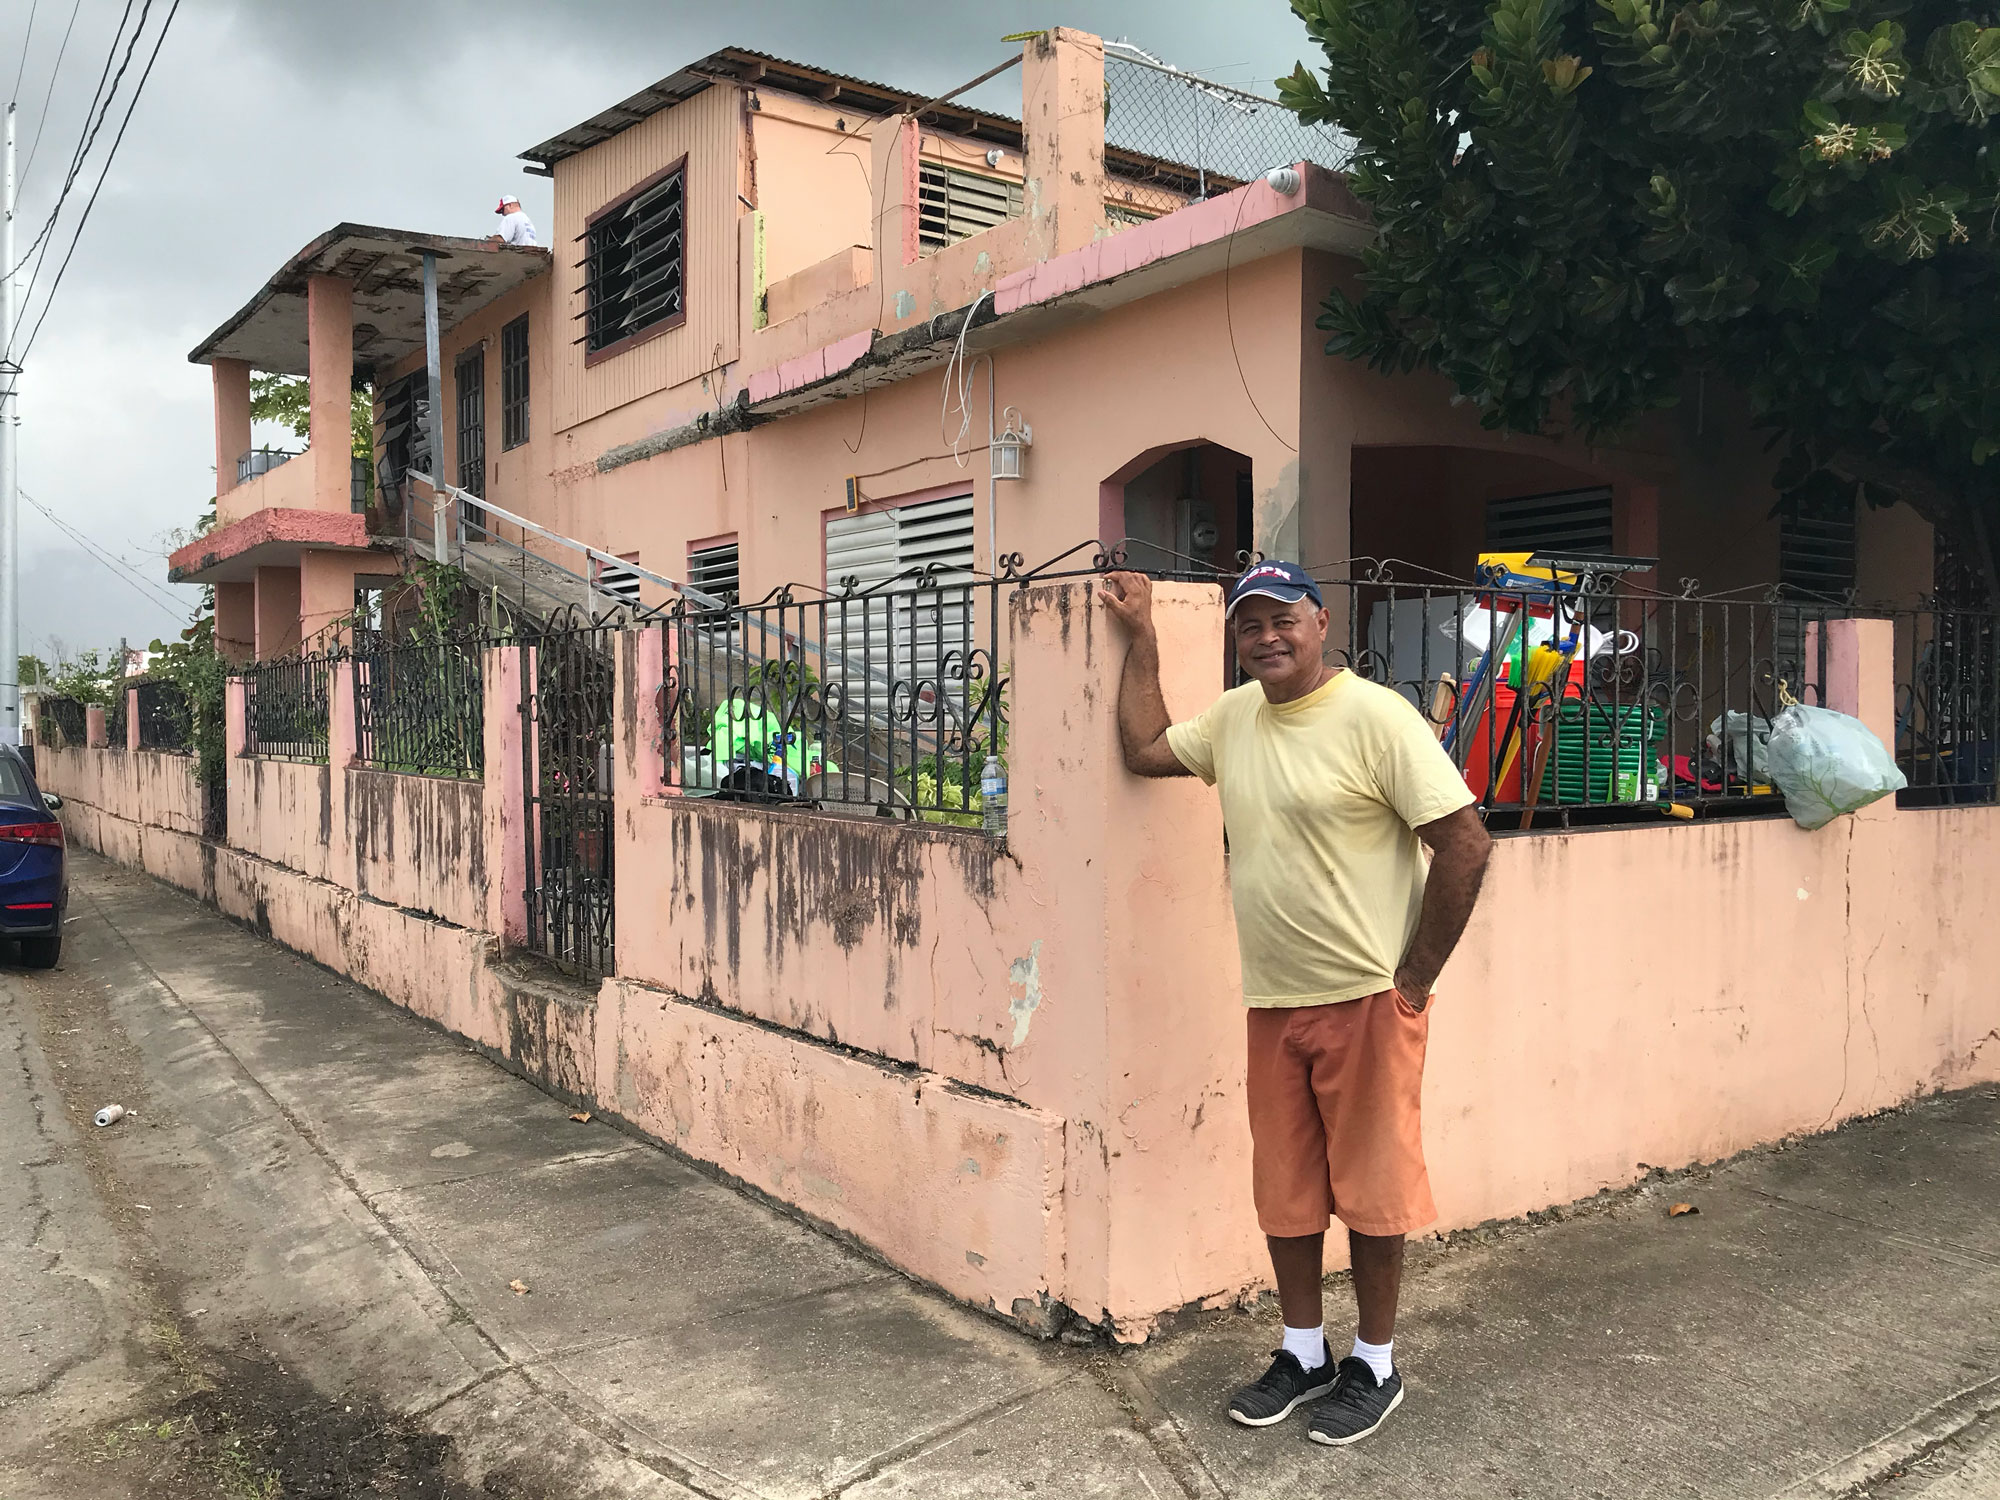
x: 431, y: 825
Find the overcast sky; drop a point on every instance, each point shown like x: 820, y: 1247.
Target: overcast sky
x: 267, y: 121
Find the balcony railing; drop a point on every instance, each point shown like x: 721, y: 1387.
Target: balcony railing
x: 261, y: 461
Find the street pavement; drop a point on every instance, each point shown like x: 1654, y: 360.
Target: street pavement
x: 333, y: 1251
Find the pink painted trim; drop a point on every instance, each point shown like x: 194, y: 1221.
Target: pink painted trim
x: 306, y: 528
x: 1145, y: 244
x: 810, y: 369
x: 721, y: 539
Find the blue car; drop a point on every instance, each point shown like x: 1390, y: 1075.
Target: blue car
x: 34, y: 871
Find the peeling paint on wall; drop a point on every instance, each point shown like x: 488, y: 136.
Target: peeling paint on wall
x: 905, y: 305
x: 1025, y: 975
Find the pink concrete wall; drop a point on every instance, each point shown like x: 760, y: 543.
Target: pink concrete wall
x: 139, y: 786
x: 419, y: 843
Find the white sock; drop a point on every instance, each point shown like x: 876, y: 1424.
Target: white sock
x: 1376, y: 1356
x: 1307, y: 1346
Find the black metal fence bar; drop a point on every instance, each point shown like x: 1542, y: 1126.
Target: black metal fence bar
x: 420, y: 708
x: 1564, y: 705
x: 166, y: 719
x: 116, y: 715
x: 62, y: 723
x: 287, y: 706
x: 1947, y: 705
x: 566, y: 707
x: 881, y: 701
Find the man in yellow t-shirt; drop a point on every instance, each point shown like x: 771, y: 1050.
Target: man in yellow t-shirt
x: 1331, y: 787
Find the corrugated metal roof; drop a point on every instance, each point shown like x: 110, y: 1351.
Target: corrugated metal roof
x: 386, y: 269
x: 744, y: 66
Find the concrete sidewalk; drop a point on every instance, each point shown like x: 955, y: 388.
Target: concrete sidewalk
x: 319, y: 1183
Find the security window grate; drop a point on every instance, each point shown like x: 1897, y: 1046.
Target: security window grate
x: 953, y: 204
x: 514, y: 383
x: 634, y: 263
x: 716, y: 571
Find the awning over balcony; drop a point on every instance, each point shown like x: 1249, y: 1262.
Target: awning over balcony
x: 386, y: 268
x: 269, y: 538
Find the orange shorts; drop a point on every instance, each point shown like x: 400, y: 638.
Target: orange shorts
x: 1335, y: 1126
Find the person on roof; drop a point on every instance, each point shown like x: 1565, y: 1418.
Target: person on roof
x: 515, y: 227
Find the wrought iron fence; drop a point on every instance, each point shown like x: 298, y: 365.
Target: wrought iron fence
x: 420, y: 707
x: 116, y: 714
x: 1583, y: 701
x: 287, y: 705
x: 62, y: 723
x: 881, y: 701
x: 166, y: 718
x: 1190, y: 136
x: 1947, y: 705
x: 566, y: 709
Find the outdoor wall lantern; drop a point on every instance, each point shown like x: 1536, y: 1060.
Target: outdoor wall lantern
x: 1010, y: 446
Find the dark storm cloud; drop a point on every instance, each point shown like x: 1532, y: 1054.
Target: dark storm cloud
x: 267, y: 121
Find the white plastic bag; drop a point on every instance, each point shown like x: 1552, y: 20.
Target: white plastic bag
x: 1827, y: 763
x: 1738, y: 741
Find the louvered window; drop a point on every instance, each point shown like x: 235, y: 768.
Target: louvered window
x: 1119, y: 216
x: 620, y: 582
x: 405, y: 443
x: 634, y: 262
x: 1816, y: 549
x: 953, y: 204
x: 714, y: 570
x: 1571, y: 523
x: 907, y: 632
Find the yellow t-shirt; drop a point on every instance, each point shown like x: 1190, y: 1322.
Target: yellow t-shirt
x: 1320, y: 797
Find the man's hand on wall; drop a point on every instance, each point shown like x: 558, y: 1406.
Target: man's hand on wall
x: 1129, y: 599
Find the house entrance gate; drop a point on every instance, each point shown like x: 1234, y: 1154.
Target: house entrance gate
x: 566, y: 701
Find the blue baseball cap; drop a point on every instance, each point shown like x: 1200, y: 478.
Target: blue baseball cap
x: 1288, y: 583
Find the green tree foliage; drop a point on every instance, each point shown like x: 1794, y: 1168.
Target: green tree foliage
x: 1580, y: 202
x: 287, y: 401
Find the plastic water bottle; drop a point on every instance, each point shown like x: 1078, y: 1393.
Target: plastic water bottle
x: 993, y: 795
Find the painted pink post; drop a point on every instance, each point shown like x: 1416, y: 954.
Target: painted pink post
x: 94, y: 735
x: 236, y: 719
x: 237, y: 786
x: 342, y: 753
x: 1861, y: 681
x: 652, y: 756
x: 1062, y: 115
x: 505, y: 799
x: 131, y: 718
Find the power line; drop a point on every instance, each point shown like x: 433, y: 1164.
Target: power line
x: 129, y: 575
x: 93, y: 121
x: 137, y: 93
x: 41, y: 122
x: 27, y: 37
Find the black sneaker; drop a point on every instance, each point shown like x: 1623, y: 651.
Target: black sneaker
x: 1359, y: 1404
x: 1285, y: 1386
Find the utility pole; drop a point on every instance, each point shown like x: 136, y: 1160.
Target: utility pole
x: 10, y: 471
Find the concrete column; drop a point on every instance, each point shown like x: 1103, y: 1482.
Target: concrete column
x: 342, y: 754
x: 646, y: 759
x: 131, y: 718
x: 1062, y: 115
x: 238, y: 814
x: 231, y: 378
x: 330, y: 339
x: 94, y: 735
x: 236, y: 621
x: 326, y: 596
x: 277, y: 604
x: 1861, y: 682
x: 505, y: 800
x: 1132, y: 982
x: 893, y: 146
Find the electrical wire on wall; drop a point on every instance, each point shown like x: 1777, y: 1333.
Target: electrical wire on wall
x: 1229, y: 319
x: 959, y: 385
